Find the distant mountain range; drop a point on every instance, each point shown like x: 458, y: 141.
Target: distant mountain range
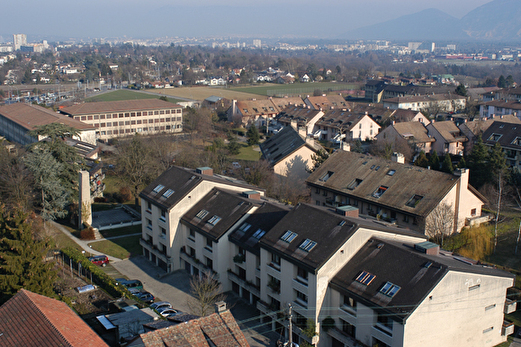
x: 498, y: 20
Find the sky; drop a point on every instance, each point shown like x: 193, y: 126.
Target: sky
x: 207, y: 18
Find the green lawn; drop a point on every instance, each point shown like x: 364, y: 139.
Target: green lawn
x: 121, y: 231
x: 247, y: 153
x: 125, y: 94
x: 63, y: 241
x: 120, y: 248
x: 270, y: 89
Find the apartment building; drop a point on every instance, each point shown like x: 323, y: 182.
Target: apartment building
x: 125, y: 118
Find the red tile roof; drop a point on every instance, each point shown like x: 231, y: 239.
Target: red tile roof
x: 221, y: 329
x: 29, y: 319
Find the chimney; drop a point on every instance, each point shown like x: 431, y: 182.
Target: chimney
x: 293, y: 124
x: 204, y: 171
x: 394, y: 122
x: 302, y: 132
x: 398, y: 158
x: 252, y: 194
x: 220, y: 307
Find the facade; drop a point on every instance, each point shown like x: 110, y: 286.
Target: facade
x: 19, y: 40
x: 125, y: 118
x: 30, y: 319
x: 165, y: 201
x: 508, y: 135
x: 299, y: 117
x: 429, y: 297
x: 343, y: 125
x: 16, y: 120
x: 415, y: 133
x: 493, y: 108
x: 449, y: 138
x: 398, y: 193
x: 475, y: 128
x: 444, y: 102
x: 259, y: 112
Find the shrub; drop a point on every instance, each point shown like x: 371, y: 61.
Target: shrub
x: 126, y: 194
x: 87, y: 234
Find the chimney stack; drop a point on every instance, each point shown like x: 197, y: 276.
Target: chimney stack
x: 220, y: 307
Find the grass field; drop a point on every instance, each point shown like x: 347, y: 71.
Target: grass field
x: 271, y: 89
x: 121, y: 248
x: 247, y: 153
x: 125, y: 94
x: 201, y: 93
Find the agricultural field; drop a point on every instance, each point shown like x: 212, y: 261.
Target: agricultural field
x: 201, y: 93
x: 271, y: 89
x: 126, y: 94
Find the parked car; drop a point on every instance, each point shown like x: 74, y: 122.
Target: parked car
x: 168, y: 312
x: 132, y: 284
x: 145, y: 297
x: 101, y: 260
x: 160, y: 305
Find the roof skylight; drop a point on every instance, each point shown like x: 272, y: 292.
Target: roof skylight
x: 158, y: 188
x: 326, y: 176
x: 414, y: 201
x: 214, y: 220
x: 202, y: 214
x: 390, y: 289
x: 365, y: 278
x: 307, y: 245
x: 259, y: 233
x: 168, y: 193
x: 245, y: 227
x: 288, y: 236
x: 380, y: 191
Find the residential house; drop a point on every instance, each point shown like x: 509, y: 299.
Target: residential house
x: 290, y: 152
x: 394, y: 294
x: 500, y: 107
x: 30, y: 319
x: 129, y: 323
x: 124, y: 118
x: 305, y: 78
x: 258, y: 112
x: 475, y: 128
x: 449, y: 138
x: 402, y: 115
x: 508, y: 136
x: 442, y: 102
x: 342, y: 125
x: 299, y: 117
x: 166, y: 200
x: 285, y: 101
x: 17, y: 120
x: 415, y: 133
x: 217, y: 329
x: 400, y: 193
x: 378, y: 90
x: 325, y: 102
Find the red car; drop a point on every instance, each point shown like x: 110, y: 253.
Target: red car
x: 101, y: 260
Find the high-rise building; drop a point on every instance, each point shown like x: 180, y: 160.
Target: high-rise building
x: 257, y: 43
x: 19, y: 40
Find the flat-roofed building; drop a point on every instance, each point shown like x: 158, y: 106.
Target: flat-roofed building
x: 124, y: 118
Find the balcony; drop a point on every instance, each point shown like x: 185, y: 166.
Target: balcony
x: 507, y: 328
x: 342, y: 337
x: 254, y: 289
x: 510, y: 306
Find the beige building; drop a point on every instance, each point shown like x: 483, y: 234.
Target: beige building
x: 125, y: 118
x: 439, y: 102
x: 415, y: 133
x: 399, y: 193
x: 449, y: 138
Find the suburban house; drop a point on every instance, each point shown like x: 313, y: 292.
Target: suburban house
x: 16, y: 120
x: 443, y: 102
x: 379, y: 90
x: 499, y: 108
x: 217, y: 329
x: 124, y: 118
x: 477, y: 127
x: 393, y: 294
x: 508, y: 135
x: 166, y: 200
x: 325, y: 102
x: 402, y: 194
x: 30, y: 319
x: 449, y: 138
x: 342, y: 125
x: 258, y: 112
x: 299, y: 117
x: 401, y: 115
x: 415, y: 133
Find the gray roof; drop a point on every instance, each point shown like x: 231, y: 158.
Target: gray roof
x: 282, y: 144
x: 510, y: 135
x: 405, y: 267
x: 374, y: 172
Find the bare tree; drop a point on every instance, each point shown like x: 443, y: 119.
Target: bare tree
x: 206, y: 291
x: 440, y: 222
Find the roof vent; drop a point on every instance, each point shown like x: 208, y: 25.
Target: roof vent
x: 347, y: 211
x: 380, y: 245
x: 252, y: 194
x: 428, y: 247
x: 204, y: 171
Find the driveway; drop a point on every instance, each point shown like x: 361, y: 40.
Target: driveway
x: 175, y: 288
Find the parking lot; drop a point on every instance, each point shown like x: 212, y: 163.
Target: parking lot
x: 175, y: 288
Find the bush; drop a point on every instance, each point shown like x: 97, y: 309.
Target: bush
x: 126, y: 194
x: 87, y: 234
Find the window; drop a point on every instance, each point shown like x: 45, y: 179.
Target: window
x: 517, y: 141
x: 244, y: 227
x: 149, y: 224
x: 158, y: 188
x: 202, y: 214
x: 365, y: 278
x: 275, y: 261
x: 168, y: 193
x: 380, y: 191
x: 326, y: 176
x: 191, y: 236
x: 209, y: 263
x: 288, y: 236
x: 163, y: 233
x: 473, y: 212
x: 302, y: 275
x: 385, y: 320
x: 406, y: 218
x: 488, y: 330
x: 389, y: 289
x: 354, y: 184
x: 391, y: 172
x: 258, y: 234
x: 495, y: 137
x: 214, y: 220
x: 307, y: 245
x: 471, y: 288
x: 301, y: 298
x: 209, y: 244
x: 149, y: 207
x: 163, y: 215
x: 490, y: 307
x: 349, y: 329
x: 414, y: 201
x: 349, y: 302
x: 317, y: 190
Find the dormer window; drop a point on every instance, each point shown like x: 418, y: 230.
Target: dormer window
x: 517, y: 141
x: 354, y: 184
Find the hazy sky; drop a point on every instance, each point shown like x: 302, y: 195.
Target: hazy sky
x: 159, y: 18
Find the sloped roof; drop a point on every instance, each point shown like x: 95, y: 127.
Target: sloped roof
x: 449, y: 131
x: 481, y: 125
x: 257, y: 107
x: 29, y: 319
x: 403, y: 115
x: 402, y: 266
x: 282, y: 144
x: 283, y: 102
x: 30, y: 116
x: 344, y: 119
x: 117, y: 106
x: 214, y: 330
x: 302, y: 115
x: 373, y: 172
x: 510, y: 135
x: 228, y: 206
x: 327, y: 101
x: 414, y: 131
x: 513, y: 105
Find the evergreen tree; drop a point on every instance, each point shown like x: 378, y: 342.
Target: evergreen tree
x: 461, y: 90
x: 446, y: 166
x: 497, y: 162
x: 357, y: 147
x: 462, y: 164
x: 502, y: 82
x: 253, y: 135
x: 46, y: 171
x: 479, y: 168
x: 422, y: 160
x: 22, y: 255
x: 434, y: 161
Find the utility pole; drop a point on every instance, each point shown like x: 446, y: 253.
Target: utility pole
x: 290, y: 327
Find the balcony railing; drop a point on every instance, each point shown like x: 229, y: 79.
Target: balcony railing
x: 507, y: 328
x: 510, y: 306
